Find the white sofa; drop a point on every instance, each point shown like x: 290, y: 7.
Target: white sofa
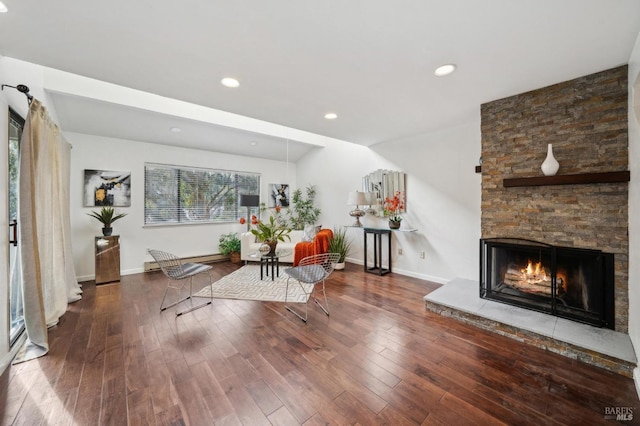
x: 249, y: 246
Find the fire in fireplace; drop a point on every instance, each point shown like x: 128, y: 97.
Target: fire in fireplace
x: 531, y: 279
x: 572, y: 283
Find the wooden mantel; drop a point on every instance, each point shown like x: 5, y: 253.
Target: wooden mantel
x: 577, y: 179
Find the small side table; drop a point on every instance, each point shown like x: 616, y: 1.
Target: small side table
x: 377, y: 250
x: 107, y: 259
x: 267, y: 260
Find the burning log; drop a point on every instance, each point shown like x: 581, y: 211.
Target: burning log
x: 532, y: 279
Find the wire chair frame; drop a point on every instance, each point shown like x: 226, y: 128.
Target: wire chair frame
x: 312, y: 270
x: 178, y: 273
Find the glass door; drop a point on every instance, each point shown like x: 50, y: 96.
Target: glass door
x: 16, y: 318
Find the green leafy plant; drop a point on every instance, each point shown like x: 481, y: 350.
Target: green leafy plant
x: 106, y: 216
x: 303, y: 212
x: 229, y: 243
x: 340, y: 243
x: 271, y: 231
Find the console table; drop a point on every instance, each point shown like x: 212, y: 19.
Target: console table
x: 377, y: 250
x: 377, y: 234
x: 107, y: 259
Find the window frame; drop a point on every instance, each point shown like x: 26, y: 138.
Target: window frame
x: 180, y: 215
x: 14, y: 291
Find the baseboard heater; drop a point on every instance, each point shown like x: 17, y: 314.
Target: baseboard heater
x: 205, y: 258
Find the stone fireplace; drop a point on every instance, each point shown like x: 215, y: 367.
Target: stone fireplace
x: 566, y: 282
x: 586, y: 121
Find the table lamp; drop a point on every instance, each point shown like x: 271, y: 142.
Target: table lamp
x: 357, y: 198
x: 372, y: 202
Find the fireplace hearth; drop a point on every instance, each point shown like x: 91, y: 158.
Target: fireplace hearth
x: 576, y: 284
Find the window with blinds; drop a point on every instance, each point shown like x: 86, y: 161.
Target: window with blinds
x: 176, y: 194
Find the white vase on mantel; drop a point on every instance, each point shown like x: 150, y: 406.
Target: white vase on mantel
x: 550, y: 165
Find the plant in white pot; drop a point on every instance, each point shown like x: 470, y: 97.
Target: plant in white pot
x: 340, y: 244
x: 106, y: 216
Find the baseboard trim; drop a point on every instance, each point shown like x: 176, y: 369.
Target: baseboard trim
x: 205, y: 258
x: 153, y: 266
x: 431, y: 278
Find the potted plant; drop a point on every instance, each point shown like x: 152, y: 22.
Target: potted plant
x: 340, y: 244
x: 107, y: 215
x: 230, y: 246
x: 270, y: 233
x: 303, y: 211
x: 392, y: 209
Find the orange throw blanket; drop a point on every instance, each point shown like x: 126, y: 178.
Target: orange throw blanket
x: 319, y: 245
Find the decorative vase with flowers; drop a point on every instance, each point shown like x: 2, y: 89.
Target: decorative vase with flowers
x: 392, y: 209
x: 270, y: 233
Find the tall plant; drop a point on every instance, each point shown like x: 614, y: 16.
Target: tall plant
x: 302, y: 211
x: 340, y: 243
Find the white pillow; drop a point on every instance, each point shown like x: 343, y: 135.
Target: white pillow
x: 310, y: 232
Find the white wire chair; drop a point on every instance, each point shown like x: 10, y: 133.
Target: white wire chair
x: 311, y: 271
x: 178, y: 272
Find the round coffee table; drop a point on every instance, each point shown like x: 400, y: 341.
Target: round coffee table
x: 273, y: 261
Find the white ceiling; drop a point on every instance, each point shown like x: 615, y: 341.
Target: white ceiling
x: 371, y: 62
x: 79, y: 114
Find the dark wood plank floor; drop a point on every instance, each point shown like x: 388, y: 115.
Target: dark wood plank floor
x: 379, y: 359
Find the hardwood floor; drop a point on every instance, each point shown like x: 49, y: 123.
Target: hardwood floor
x: 380, y: 358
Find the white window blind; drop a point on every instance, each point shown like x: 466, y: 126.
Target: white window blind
x: 177, y: 194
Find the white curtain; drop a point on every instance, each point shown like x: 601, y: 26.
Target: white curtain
x: 48, y: 278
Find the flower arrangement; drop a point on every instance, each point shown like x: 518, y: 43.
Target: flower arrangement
x: 393, y: 206
x: 269, y: 232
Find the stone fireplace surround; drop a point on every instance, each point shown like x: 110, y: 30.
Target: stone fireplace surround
x: 586, y: 121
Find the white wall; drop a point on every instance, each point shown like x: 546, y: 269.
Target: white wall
x: 634, y: 204
x: 443, y: 197
x: 100, y: 153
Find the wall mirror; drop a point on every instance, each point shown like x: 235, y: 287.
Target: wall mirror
x: 383, y: 184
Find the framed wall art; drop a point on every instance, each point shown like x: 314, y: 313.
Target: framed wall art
x: 279, y: 195
x: 107, y: 188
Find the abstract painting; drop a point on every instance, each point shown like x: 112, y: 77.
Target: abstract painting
x: 107, y: 188
x: 279, y: 195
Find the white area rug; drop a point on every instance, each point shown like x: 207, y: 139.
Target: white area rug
x: 245, y: 284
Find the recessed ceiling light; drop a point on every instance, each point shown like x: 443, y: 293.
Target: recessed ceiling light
x: 230, y: 82
x: 176, y: 129
x: 331, y: 116
x: 3, y: 8
x: 444, y: 70
x: 254, y: 143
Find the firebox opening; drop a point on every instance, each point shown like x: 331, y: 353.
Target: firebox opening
x: 567, y: 282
